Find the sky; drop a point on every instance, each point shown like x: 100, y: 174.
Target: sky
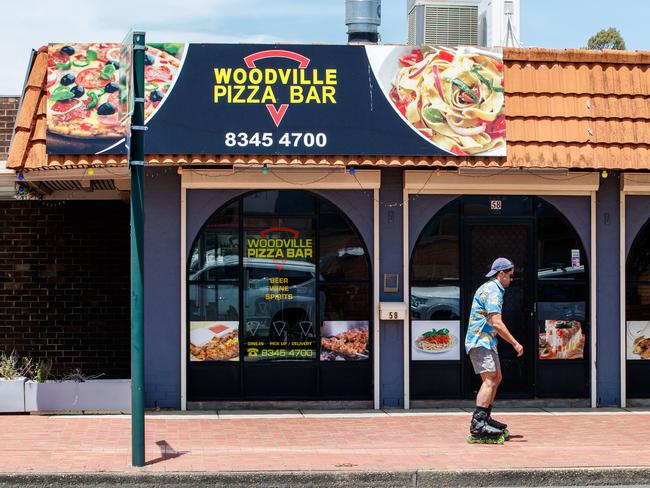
x: 27, y: 24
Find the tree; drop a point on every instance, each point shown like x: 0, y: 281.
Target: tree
x: 606, y: 39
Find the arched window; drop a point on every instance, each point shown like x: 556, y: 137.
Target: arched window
x: 638, y: 315
x: 279, y: 277
x: 549, y: 294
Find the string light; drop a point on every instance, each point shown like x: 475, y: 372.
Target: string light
x: 438, y: 172
x: 265, y: 169
x: 24, y: 192
x: 20, y: 176
x: 604, y: 174
x: 90, y: 172
x: 352, y: 170
x: 180, y: 170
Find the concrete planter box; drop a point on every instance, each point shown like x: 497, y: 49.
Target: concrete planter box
x: 91, y: 395
x: 12, y: 395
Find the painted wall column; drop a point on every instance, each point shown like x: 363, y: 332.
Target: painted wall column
x: 607, y: 294
x: 391, y: 254
x: 161, y: 295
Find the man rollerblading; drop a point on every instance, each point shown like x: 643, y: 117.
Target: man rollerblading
x: 485, y: 323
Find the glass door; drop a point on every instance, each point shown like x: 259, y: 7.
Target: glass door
x: 486, y: 240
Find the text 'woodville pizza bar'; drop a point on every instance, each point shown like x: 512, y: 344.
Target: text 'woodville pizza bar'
x: 256, y: 85
x: 280, y: 248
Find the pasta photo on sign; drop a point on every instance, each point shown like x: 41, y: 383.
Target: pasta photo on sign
x: 435, y: 340
x: 452, y: 97
x: 638, y: 340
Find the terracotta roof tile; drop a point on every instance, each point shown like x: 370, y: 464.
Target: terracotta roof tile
x: 28, y: 108
x: 592, y: 79
x: 38, y: 72
x: 566, y: 109
x: 581, y: 106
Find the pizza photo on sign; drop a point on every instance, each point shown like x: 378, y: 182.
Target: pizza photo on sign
x: 83, y: 93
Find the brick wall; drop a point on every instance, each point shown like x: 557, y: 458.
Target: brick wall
x: 8, y: 112
x: 64, y: 284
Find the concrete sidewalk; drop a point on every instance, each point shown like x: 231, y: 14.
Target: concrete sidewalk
x: 385, y: 448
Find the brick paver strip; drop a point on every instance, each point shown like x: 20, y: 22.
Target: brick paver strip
x: 42, y: 444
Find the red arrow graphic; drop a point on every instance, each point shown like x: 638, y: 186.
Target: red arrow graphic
x: 265, y: 235
x: 276, y: 113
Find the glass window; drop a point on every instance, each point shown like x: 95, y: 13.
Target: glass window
x: 561, y: 301
x: 345, y: 326
x: 279, y: 295
x: 557, y: 292
x: 560, y: 253
x: 436, y: 256
x: 638, y: 263
x: 342, y: 255
x: 217, y: 301
x: 280, y: 202
x: 273, y: 274
x: 345, y: 302
x: 279, y: 313
x: 216, y: 255
x: 228, y: 216
x: 259, y: 222
x: 638, y: 302
x: 435, y: 302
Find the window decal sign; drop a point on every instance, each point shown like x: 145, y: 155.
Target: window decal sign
x: 214, y: 341
x: 435, y: 340
x: 638, y: 340
x: 278, y: 248
x: 561, y: 339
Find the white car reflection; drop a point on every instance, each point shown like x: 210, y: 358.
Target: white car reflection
x: 560, y: 272
x: 435, y: 303
x: 297, y: 312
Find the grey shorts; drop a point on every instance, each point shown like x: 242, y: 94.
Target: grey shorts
x: 484, y: 360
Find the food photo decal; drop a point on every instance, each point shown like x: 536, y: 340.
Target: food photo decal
x: 214, y: 341
x: 351, y: 344
x: 454, y: 97
x: 435, y: 340
x: 561, y: 339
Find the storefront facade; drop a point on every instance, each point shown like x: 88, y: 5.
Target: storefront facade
x: 547, y: 233
x: 289, y: 279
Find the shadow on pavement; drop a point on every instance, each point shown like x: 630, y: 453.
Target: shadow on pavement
x: 166, y: 452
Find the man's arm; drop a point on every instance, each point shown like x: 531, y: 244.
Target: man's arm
x: 495, y: 320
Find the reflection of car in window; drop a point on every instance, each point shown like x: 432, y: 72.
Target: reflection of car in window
x: 296, y: 308
x: 435, y: 303
x: 560, y: 272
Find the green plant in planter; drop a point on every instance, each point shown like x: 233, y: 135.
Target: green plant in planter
x: 12, y: 366
x: 42, y: 371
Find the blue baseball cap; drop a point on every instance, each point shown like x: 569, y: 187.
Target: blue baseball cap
x: 500, y: 264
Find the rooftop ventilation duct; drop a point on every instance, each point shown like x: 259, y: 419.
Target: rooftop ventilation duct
x: 363, y: 18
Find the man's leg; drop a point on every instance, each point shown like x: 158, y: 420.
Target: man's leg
x: 488, y: 389
x: 499, y: 377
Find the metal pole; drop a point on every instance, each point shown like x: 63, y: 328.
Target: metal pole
x: 136, y: 164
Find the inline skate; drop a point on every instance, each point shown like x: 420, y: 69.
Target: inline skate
x: 498, y: 425
x: 481, y: 432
